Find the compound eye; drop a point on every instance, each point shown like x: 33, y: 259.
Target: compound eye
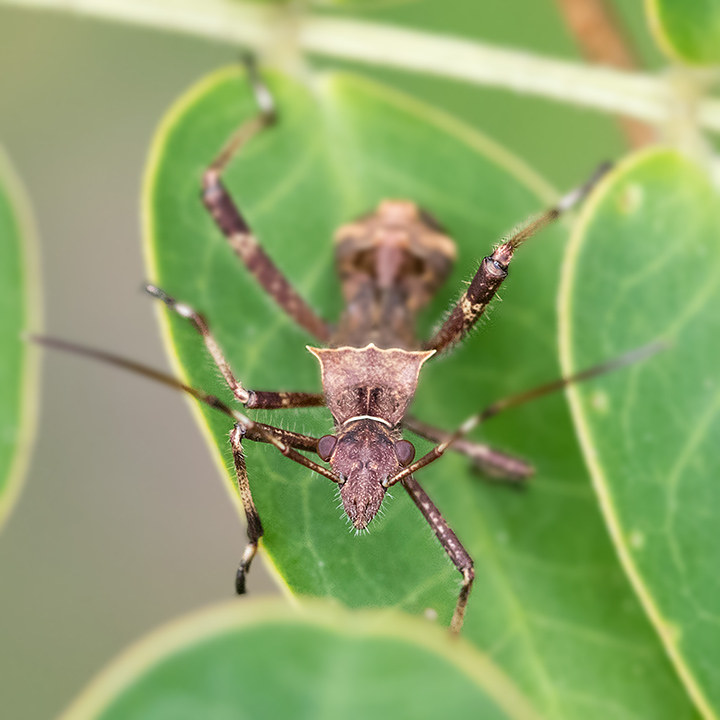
x: 326, y: 445
x: 405, y: 452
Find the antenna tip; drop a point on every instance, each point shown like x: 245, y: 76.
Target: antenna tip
x: 603, y: 168
x: 156, y: 292
x: 263, y: 96
x: 580, y: 193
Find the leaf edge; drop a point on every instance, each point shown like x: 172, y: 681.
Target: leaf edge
x: 584, y: 436
x: 210, y: 621
x: 33, y: 322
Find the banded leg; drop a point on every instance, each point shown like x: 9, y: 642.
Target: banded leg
x: 452, y: 546
x: 493, y: 463
x: 259, y: 433
x: 282, y: 400
x: 234, y: 226
x: 494, y: 269
x: 288, y: 437
x: 250, y: 398
x: 254, y: 526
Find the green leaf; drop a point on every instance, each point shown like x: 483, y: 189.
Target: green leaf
x: 646, y: 256
x: 18, y: 360
x: 687, y: 31
x: 261, y: 660
x: 551, y: 603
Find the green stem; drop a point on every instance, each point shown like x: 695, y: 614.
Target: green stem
x: 644, y: 96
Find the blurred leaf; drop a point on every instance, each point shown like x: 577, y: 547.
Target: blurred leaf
x: 261, y: 660
x: 349, y: 4
x: 688, y: 31
x: 551, y: 603
x: 361, y: 4
x: 651, y: 433
x: 18, y: 360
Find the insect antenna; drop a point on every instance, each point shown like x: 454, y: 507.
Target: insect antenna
x: 255, y: 431
x: 137, y: 368
x: 524, y: 397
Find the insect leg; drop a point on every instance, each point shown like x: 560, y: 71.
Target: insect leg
x: 295, y: 440
x: 269, y: 400
x: 250, y: 398
x: 234, y: 226
x: 521, y: 398
x: 489, y: 461
x: 254, y: 526
x: 452, y: 546
x: 494, y: 269
x: 283, y: 440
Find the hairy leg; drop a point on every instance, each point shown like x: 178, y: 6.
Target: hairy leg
x: 494, y: 269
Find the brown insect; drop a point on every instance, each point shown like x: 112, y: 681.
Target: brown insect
x: 391, y: 262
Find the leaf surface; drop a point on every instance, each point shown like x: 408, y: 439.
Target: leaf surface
x: 551, y: 603
x: 687, y: 31
x: 650, y: 434
x: 231, y: 661
x: 18, y: 360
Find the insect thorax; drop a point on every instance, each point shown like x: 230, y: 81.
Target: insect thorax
x: 369, y: 381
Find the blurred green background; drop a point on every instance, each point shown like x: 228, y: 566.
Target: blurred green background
x: 123, y: 523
